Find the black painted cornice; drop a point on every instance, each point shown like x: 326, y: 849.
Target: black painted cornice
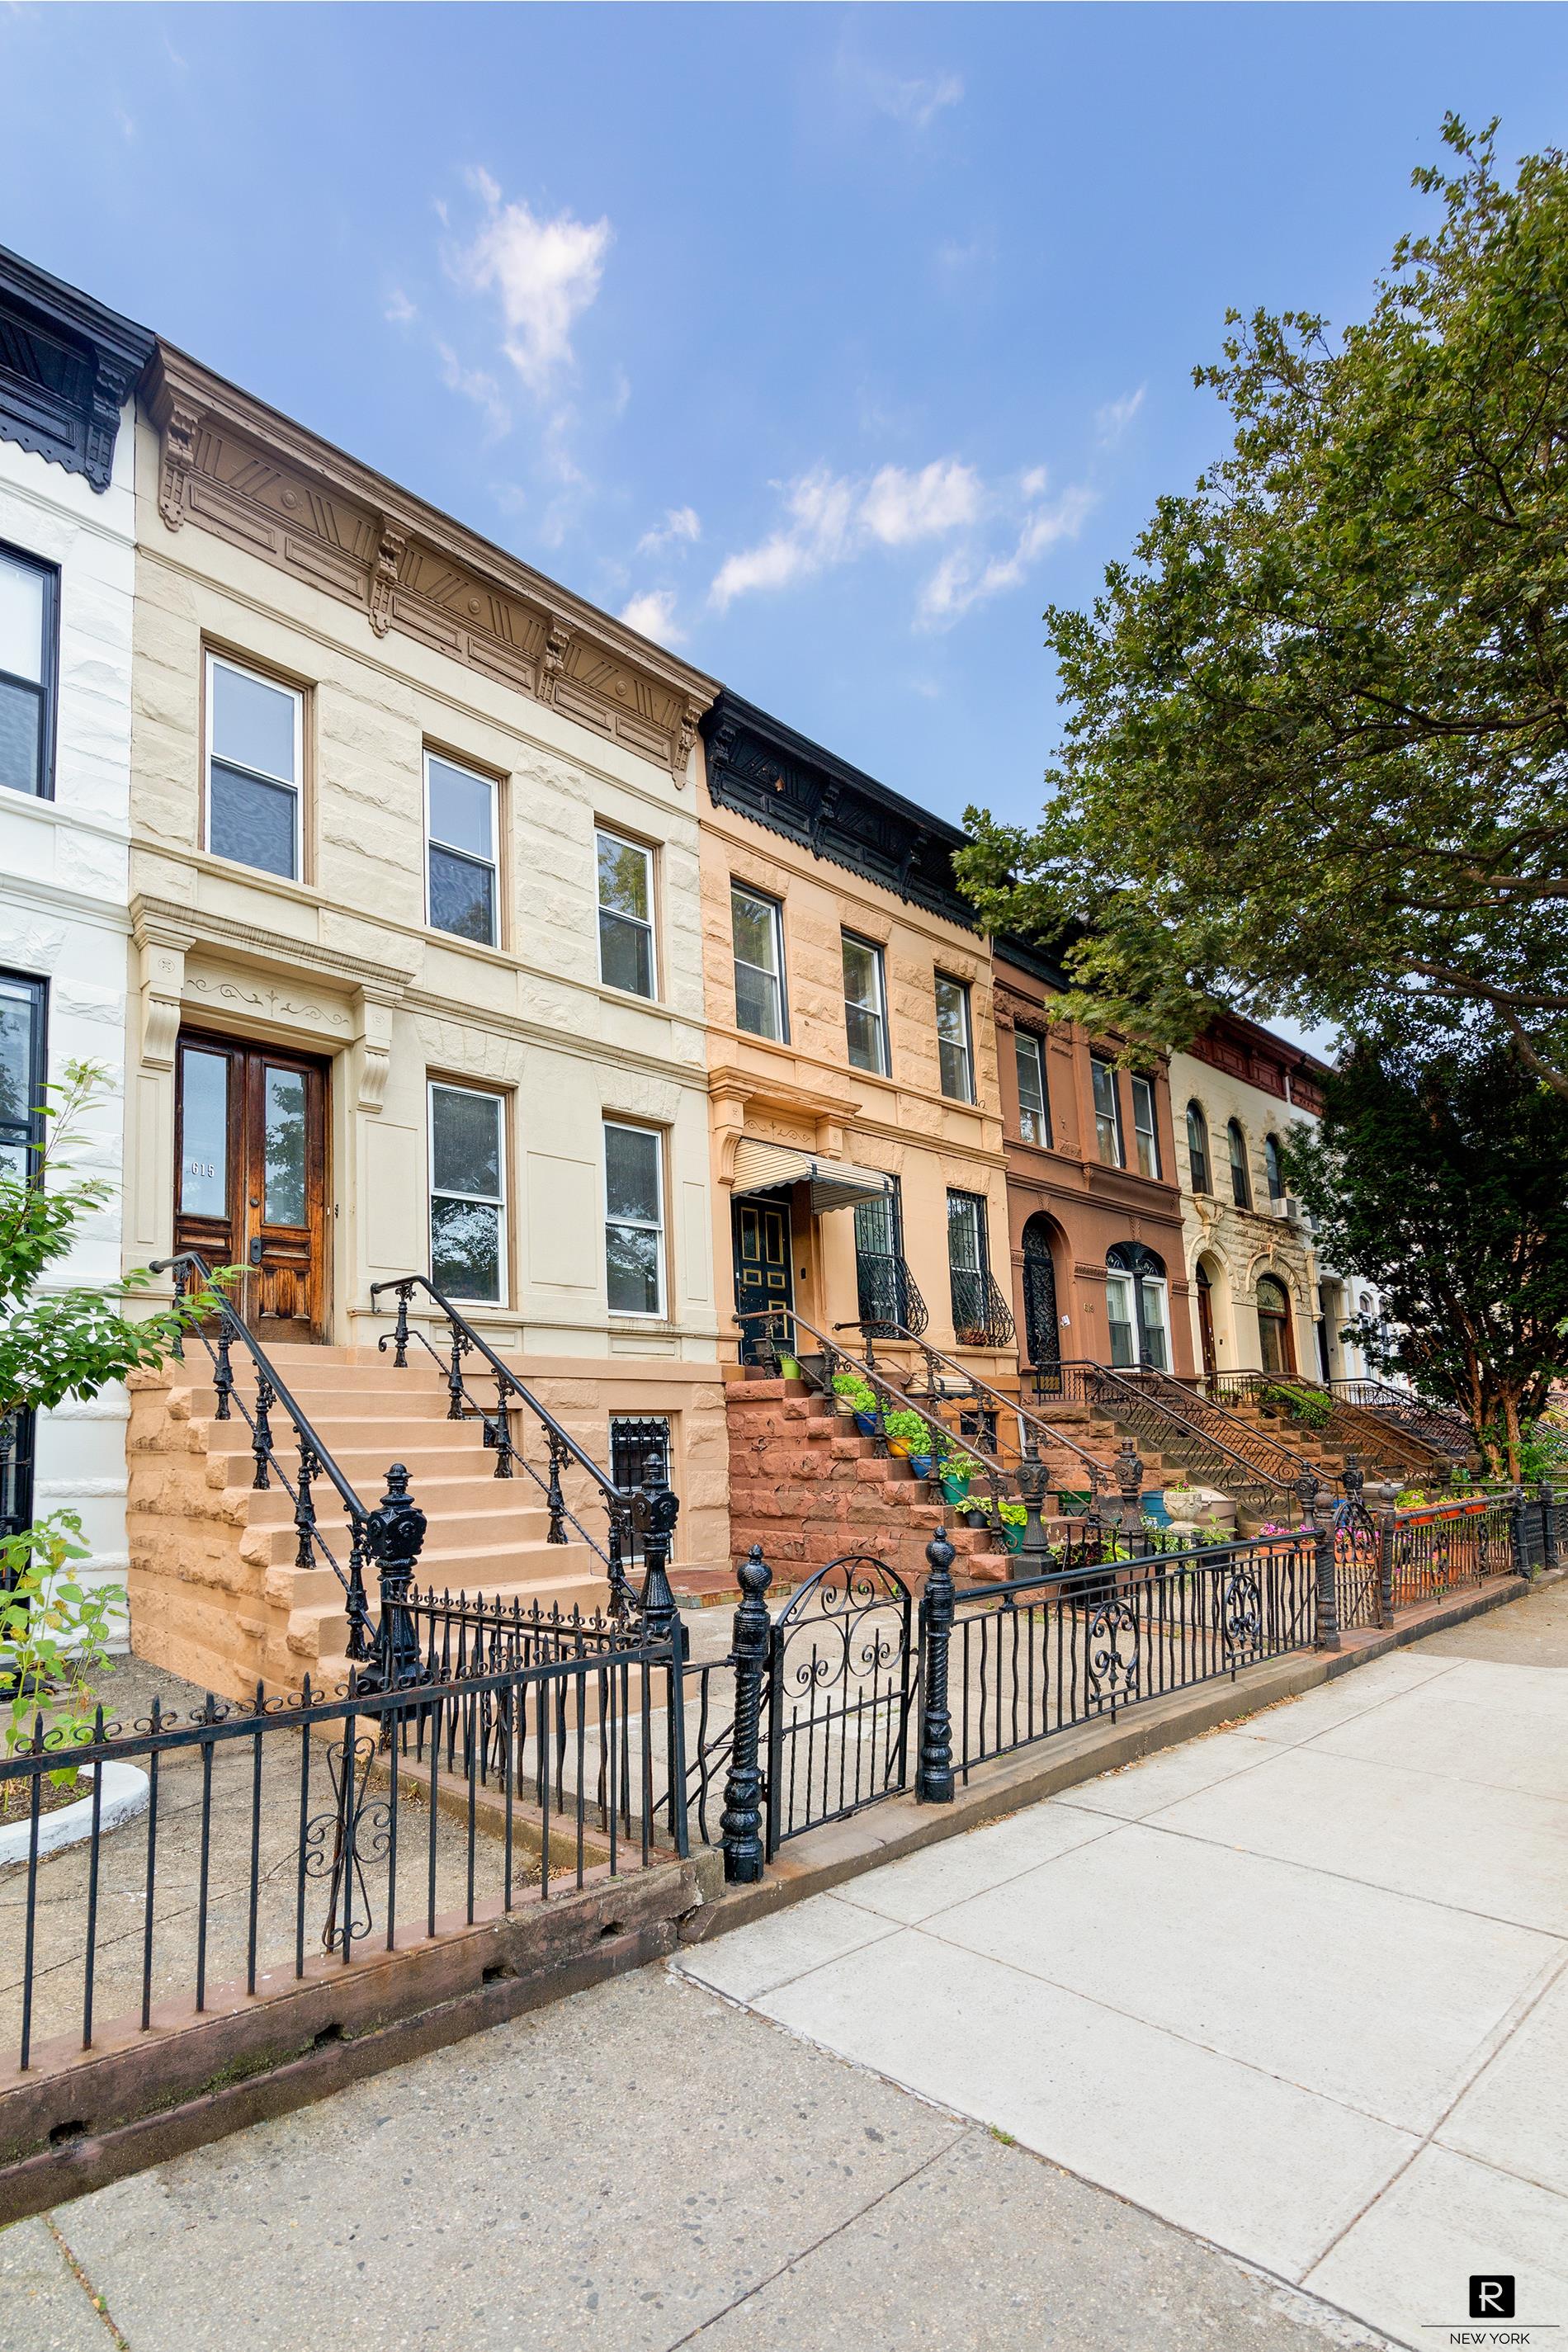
x: 67, y: 366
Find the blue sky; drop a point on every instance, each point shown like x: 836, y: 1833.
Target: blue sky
x: 828, y: 344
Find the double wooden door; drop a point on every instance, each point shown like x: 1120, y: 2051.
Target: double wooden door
x: 250, y: 1175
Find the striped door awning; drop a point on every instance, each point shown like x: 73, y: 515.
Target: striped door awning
x: 835, y: 1183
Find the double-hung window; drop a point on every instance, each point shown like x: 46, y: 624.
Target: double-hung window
x: 1034, y: 1105
x: 968, y: 1268
x: 29, y: 596
x: 467, y: 1193
x: 1241, y: 1181
x: 757, y: 924
x: 1145, y: 1134
x: 864, y: 1004
x: 461, y: 850
x: 21, y: 1077
x: 1198, y: 1146
x: 1273, y: 1169
x: 256, y: 736
x: 634, y: 1219
x: 1107, y: 1112
x: 626, y: 914
x: 955, y: 1052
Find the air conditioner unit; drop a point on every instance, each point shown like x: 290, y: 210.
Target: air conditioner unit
x: 1293, y: 1211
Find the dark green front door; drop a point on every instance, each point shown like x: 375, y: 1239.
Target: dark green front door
x: 762, y: 1267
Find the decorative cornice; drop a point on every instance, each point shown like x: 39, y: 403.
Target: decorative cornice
x: 196, y: 929
x: 763, y: 770
x: 255, y: 477
x: 67, y: 369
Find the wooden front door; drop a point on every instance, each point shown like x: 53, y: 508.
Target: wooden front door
x: 250, y: 1176
x: 762, y: 1277
x: 1206, y: 1324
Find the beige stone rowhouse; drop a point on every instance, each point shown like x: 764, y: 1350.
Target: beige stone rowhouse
x: 278, y: 579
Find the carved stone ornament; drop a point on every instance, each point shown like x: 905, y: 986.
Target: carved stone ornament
x: 179, y: 460
x: 391, y: 548
x: 556, y: 653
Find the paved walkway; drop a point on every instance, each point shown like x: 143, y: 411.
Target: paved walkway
x: 1301, y: 1987
x: 1294, y: 1991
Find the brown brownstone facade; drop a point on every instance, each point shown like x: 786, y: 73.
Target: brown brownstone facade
x: 1078, y: 1194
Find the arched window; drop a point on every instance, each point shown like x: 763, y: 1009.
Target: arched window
x: 1198, y: 1148
x: 1271, y: 1164
x: 1275, y: 1339
x: 1135, y: 1306
x: 1240, y: 1182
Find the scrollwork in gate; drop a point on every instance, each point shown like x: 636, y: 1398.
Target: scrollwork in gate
x: 359, y: 1826
x: 1114, y: 1672
x: 856, y: 1612
x: 843, y: 1676
x: 1241, y: 1612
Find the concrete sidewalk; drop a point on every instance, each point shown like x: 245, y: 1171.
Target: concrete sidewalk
x: 1293, y: 1990
x: 1300, y: 1987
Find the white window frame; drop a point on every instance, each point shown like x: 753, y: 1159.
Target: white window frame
x: 1149, y: 1134
x: 1098, y: 1062
x: 776, y: 910
x: 476, y: 776
x: 879, y: 1011
x: 938, y: 978
x: 1023, y: 1038
x: 296, y: 784
x: 661, y: 1313
x: 645, y: 851
x: 485, y: 1094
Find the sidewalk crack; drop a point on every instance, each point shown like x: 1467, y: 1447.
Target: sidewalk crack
x: 121, y: 2342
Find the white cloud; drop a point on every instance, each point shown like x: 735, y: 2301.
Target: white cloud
x: 961, y: 581
x: 652, y: 614
x: 832, y: 517
x: 479, y: 386
x: 679, y: 523
x: 915, y: 101
x: 1112, y: 421
x: 399, y: 309
x: 544, y: 273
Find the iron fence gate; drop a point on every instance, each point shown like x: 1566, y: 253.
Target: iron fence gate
x: 843, y: 1671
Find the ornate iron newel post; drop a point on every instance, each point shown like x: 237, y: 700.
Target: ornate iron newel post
x: 654, y: 1511
x: 1548, y: 1524
x: 1328, y: 1589
x: 1130, y: 1483
x: 933, y: 1777
x: 1386, y: 1521
x: 1033, y: 1478
x: 742, y: 1821
x: 1518, y: 1533
x: 395, y: 1533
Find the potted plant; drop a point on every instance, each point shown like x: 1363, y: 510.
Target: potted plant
x: 858, y: 1395
x: 957, y: 1470
x: 1015, y: 1519
x: 908, y: 1435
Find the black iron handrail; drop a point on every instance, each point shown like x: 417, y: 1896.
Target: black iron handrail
x: 315, y: 1459
x: 1345, y: 1423
x: 1267, y: 1468
x: 648, y: 1510
x: 976, y: 1387
x: 1442, y: 1426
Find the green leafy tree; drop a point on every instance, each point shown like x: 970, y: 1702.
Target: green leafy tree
x: 1316, y: 756
x: 58, y: 1342
x: 1443, y: 1179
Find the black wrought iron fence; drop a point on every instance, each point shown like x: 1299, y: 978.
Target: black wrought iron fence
x: 264, y: 1840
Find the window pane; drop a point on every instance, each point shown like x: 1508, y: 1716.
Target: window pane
x: 625, y: 954
x: 251, y: 821
x: 465, y: 1249
x: 1118, y: 1312
x: 964, y: 1232
x: 755, y: 922
x: 22, y: 609
x: 864, y: 1035
x: 631, y: 1173
x: 462, y: 897
x: 1143, y: 1127
x: 624, y: 877
x: 285, y: 1148
x: 1198, y: 1148
x: 465, y: 1144
x: 461, y: 809
x: 861, y: 978
x: 631, y: 1269
x: 1151, y: 1299
x: 1034, y: 1118
x: 253, y: 723
x: 204, y: 1155
x: 875, y: 1231
x: 15, y: 1058
x: 756, y: 1002
x: 21, y: 737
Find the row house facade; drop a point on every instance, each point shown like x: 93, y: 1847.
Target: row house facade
x: 1095, y: 1213
x: 67, y: 366
x: 858, y: 1175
